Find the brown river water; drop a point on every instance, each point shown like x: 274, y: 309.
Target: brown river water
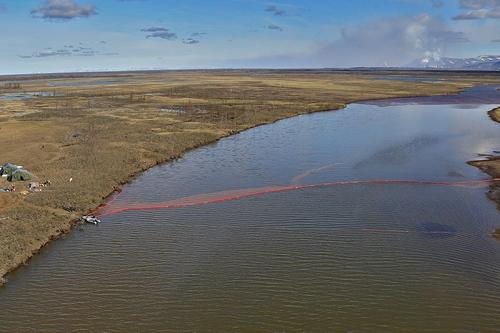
x: 359, y: 256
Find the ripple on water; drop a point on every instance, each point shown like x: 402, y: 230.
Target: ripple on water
x: 434, y: 229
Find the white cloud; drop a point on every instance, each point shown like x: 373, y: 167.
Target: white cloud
x: 479, y: 9
x: 395, y: 41
x: 391, y: 41
x: 63, y: 10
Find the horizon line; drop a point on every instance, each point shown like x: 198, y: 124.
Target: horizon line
x: 357, y: 68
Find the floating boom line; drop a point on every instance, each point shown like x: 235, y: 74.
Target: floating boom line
x: 218, y: 197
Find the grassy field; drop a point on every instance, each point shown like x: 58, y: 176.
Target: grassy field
x: 99, y: 130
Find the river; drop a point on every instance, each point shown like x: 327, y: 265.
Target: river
x: 350, y: 257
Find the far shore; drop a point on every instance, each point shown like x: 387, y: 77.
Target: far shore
x: 89, y: 137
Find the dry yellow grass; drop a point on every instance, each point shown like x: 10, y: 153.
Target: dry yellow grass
x: 100, y: 134
x: 495, y: 114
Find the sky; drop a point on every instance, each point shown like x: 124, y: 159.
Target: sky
x: 40, y: 36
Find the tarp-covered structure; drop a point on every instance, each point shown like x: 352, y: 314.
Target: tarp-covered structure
x: 19, y: 175
x: 8, y: 169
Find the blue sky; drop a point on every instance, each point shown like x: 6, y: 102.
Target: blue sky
x: 82, y: 35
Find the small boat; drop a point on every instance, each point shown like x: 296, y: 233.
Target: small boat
x: 90, y: 219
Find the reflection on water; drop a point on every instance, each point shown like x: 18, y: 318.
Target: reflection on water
x: 24, y: 95
x: 359, y: 258
x: 84, y: 83
x: 420, y: 79
x: 434, y: 229
x: 398, y: 153
x: 471, y: 98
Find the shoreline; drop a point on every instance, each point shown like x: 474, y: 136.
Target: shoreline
x: 491, y: 166
x: 68, y: 227
x: 72, y: 217
x: 495, y: 114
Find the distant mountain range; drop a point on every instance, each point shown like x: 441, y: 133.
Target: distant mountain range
x: 481, y: 63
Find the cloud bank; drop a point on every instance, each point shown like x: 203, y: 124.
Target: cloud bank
x: 479, y: 9
x: 392, y: 42
x: 63, y: 10
x: 395, y: 41
x: 66, y: 51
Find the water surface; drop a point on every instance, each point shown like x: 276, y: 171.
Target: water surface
x: 406, y: 78
x: 24, y: 95
x: 84, y: 83
x: 353, y: 258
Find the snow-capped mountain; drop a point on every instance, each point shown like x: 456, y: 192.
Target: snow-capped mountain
x: 482, y: 63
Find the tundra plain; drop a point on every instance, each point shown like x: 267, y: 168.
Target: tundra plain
x: 90, y: 133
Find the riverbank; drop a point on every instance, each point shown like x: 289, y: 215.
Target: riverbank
x: 495, y: 114
x: 91, y: 135
x: 491, y: 166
